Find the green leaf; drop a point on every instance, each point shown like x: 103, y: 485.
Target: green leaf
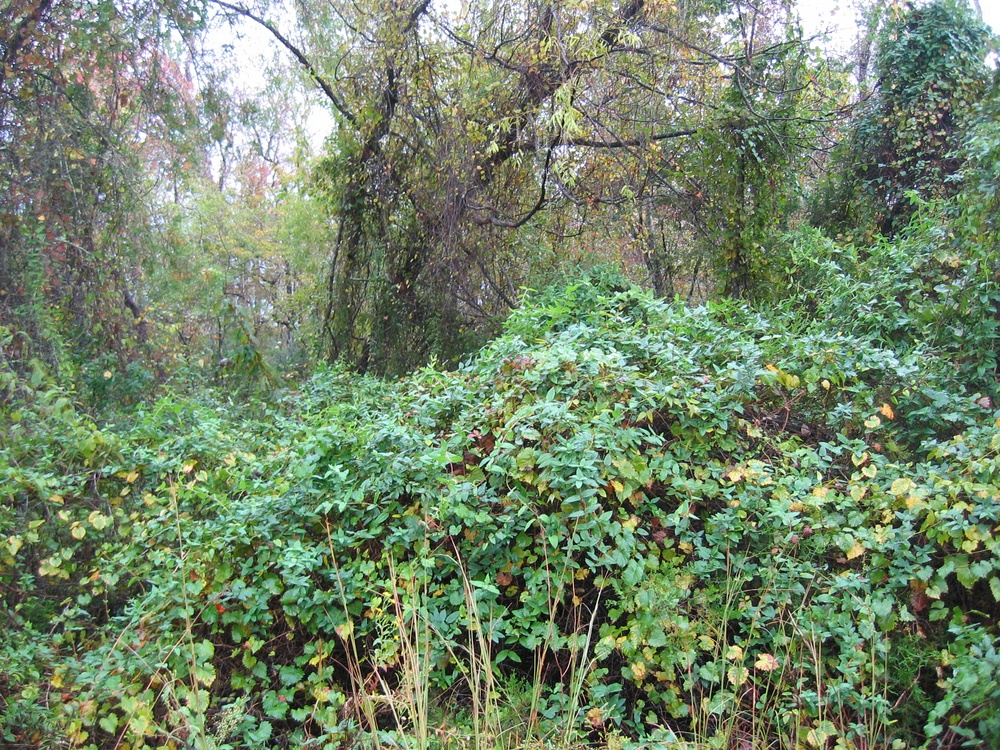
x: 108, y: 723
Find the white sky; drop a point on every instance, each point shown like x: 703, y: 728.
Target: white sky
x: 839, y: 18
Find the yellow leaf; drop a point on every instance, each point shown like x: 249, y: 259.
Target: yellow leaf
x: 205, y: 673
x: 14, y: 543
x: 788, y: 380
x: 595, y: 717
x: 820, y: 734
x: 974, y: 532
x: 77, y: 530
x: 767, y: 663
x: 107, y: 375
x: 57, y: 499
x: 639, y: 671
x: 901, y: 486
x: 734, y: 653
x: 856, y: 550
x: 912, y: 501
x: 737, y: 674
x: 887, y: 411
x: 872, y: 422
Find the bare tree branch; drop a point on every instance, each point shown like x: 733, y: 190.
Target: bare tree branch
x: 304, y: 61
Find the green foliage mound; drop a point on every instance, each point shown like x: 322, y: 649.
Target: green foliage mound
x: 622, y: 521
x: 933, y: 290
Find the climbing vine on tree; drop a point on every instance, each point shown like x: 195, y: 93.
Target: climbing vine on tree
x: 930, y: 68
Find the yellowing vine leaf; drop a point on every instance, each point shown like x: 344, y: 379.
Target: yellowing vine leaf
x: 901, y: 486
x: 738, y: 674
x: 818, y: 735
x: 767, y: 663
x: 912, y: 501
x: 788, y: 380
x: 14, y: 543
x: 856, y: 550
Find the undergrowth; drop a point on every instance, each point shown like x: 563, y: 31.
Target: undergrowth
x: 623, y: 522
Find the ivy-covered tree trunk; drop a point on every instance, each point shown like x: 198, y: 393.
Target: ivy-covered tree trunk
x: 737, y: 247
x: 930, y: 71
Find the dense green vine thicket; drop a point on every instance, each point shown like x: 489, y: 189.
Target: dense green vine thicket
x: 623, y: 519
